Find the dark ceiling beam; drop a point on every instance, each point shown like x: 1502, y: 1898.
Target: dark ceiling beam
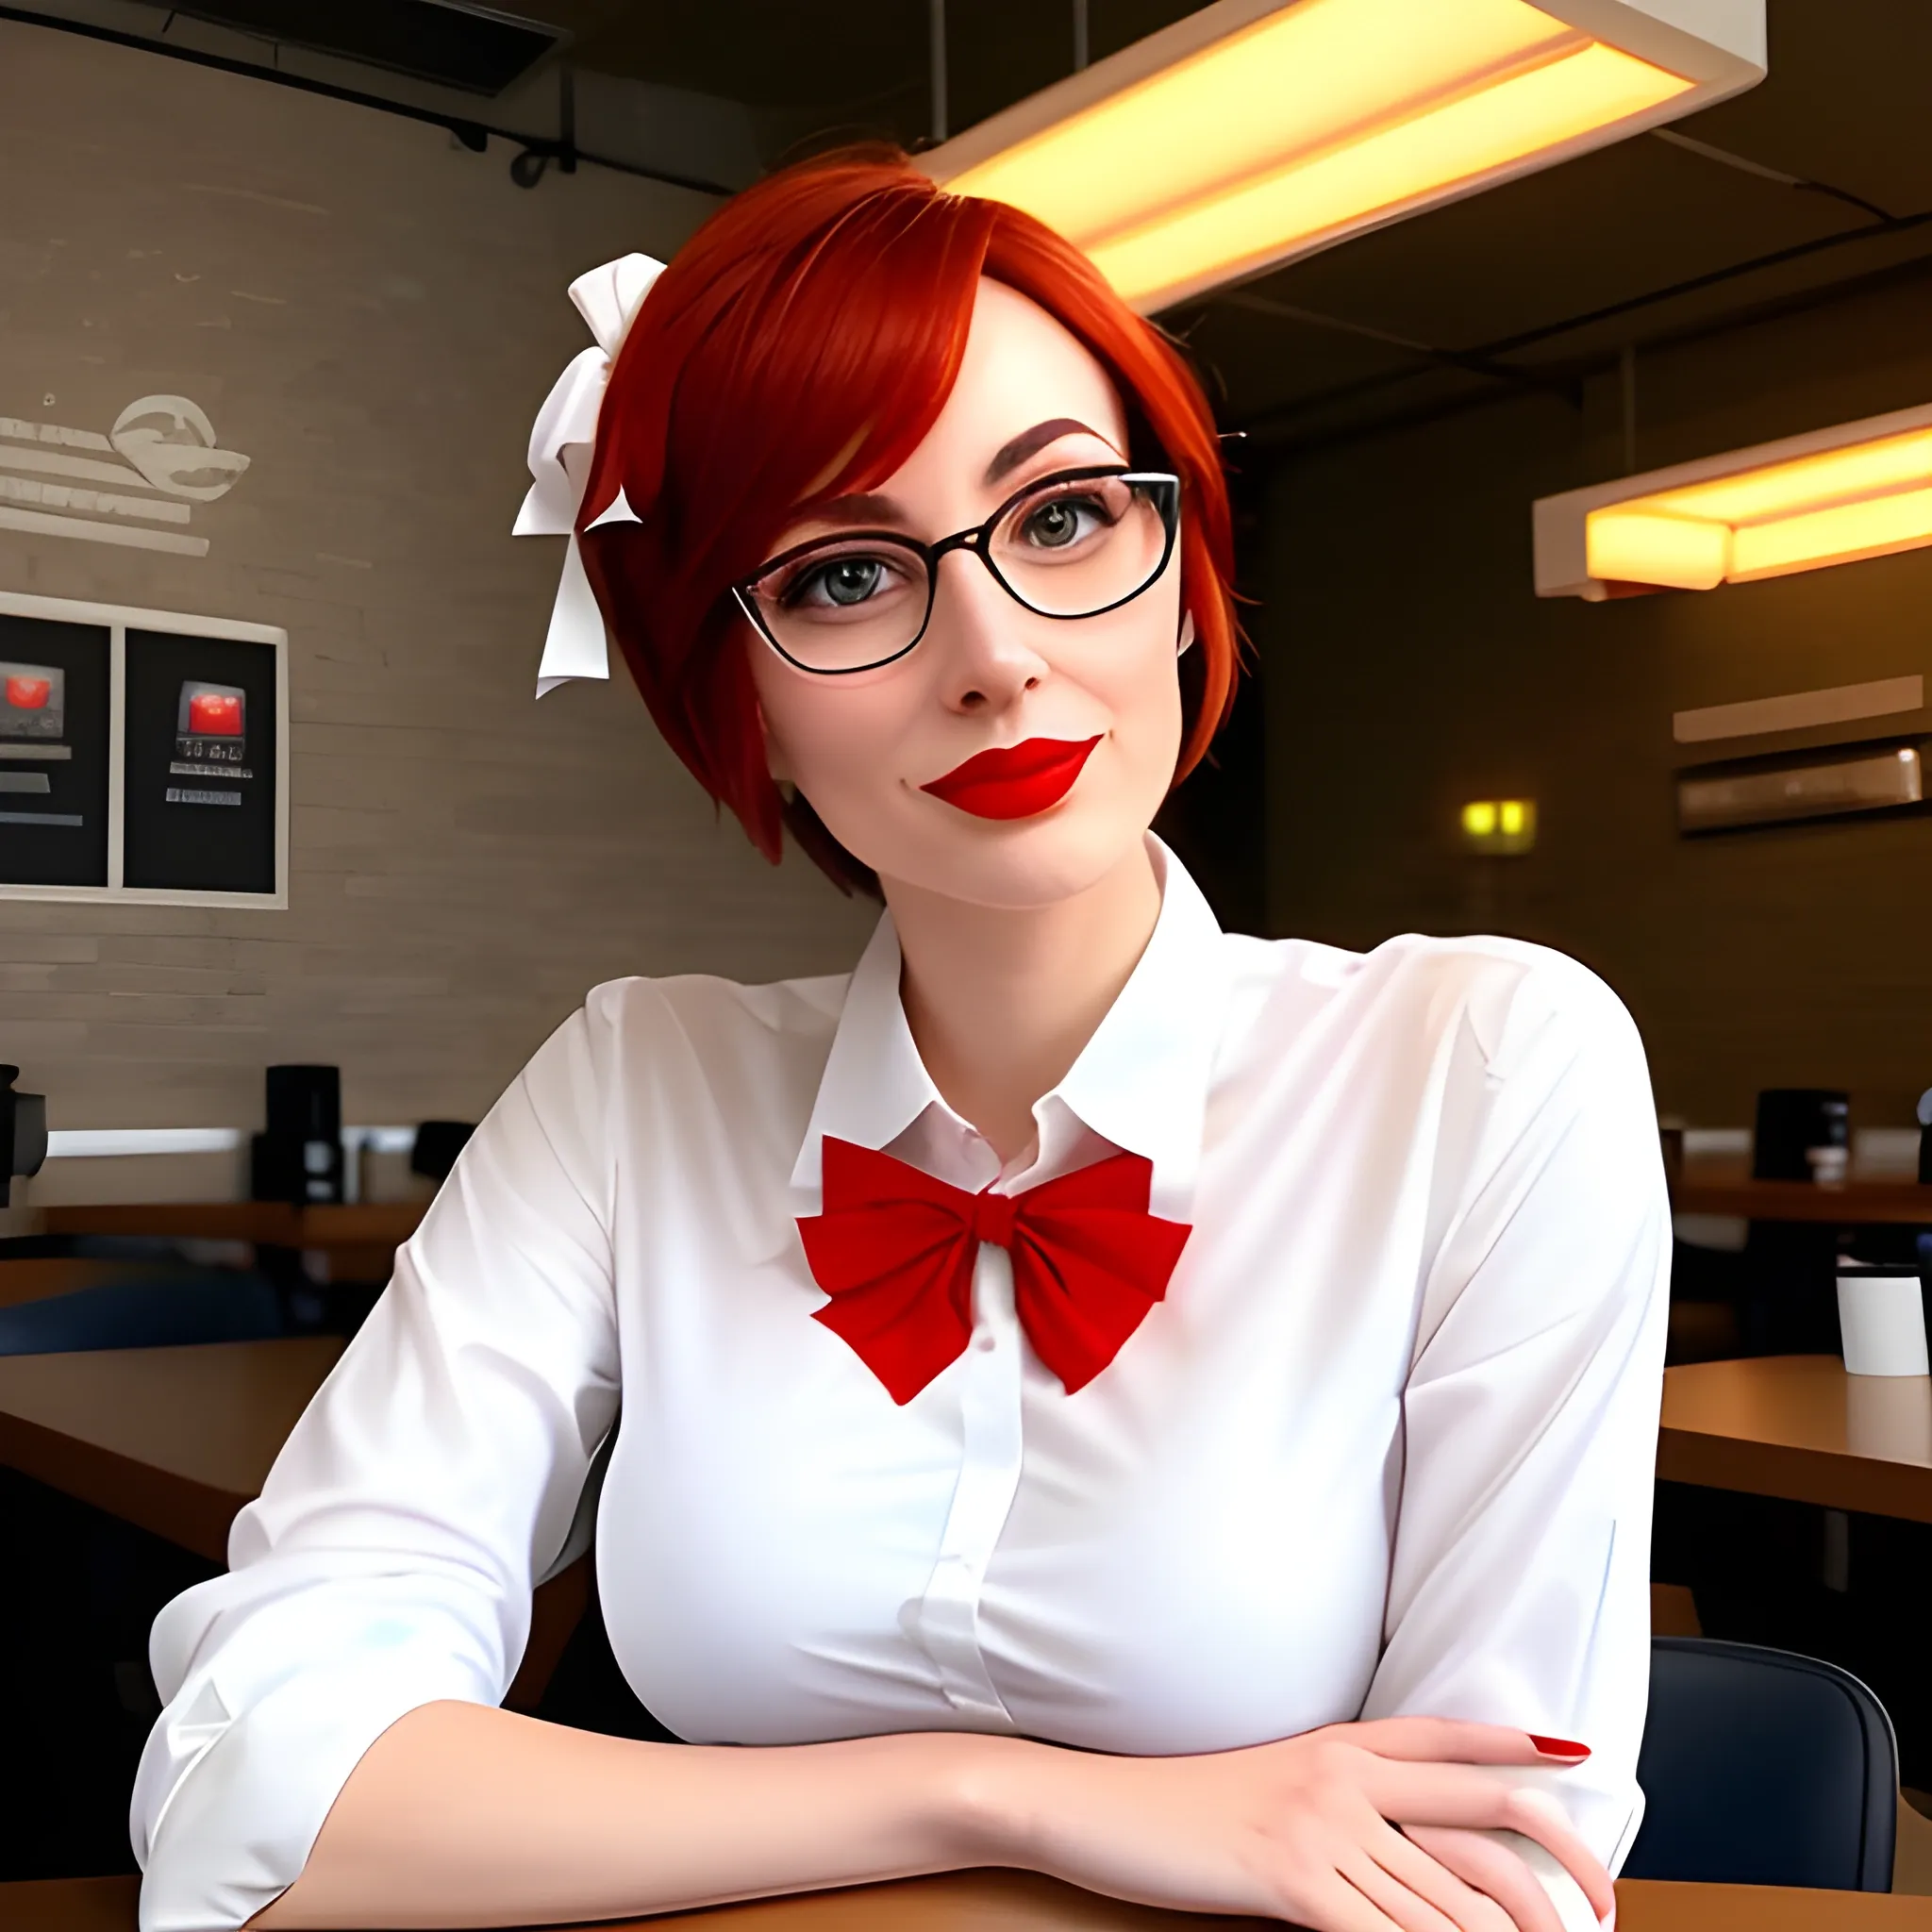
x: 475, y: 134
x: 1289, y: 441
x: 1277, y: 426
x: 1471, y: 362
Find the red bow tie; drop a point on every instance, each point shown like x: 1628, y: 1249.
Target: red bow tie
x: 894, y: 1249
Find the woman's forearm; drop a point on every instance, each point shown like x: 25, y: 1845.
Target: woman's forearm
x: 464, y: 1815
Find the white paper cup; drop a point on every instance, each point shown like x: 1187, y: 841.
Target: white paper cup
x: 1881, y: 1319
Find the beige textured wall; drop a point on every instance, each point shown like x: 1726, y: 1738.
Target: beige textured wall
x: 372, y: 316
x: 1411, y: 667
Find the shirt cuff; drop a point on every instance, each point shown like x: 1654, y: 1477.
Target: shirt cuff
x: 243, y: 1798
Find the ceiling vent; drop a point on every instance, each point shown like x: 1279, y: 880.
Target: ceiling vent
x: 474, y: 48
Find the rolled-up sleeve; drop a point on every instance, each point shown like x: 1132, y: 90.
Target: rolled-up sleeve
x: 389, y: 1559
x: 1519, y: 1590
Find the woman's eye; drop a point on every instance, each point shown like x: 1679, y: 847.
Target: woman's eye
x: 841, y: 583
x: 1062, y: 521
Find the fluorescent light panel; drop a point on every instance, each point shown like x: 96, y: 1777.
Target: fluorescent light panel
x: 1249, y: 133
x: 1837, y: 496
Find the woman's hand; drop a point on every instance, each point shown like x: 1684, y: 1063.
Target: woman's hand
x: 1306, y: 1829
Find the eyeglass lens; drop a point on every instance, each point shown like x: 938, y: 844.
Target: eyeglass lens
x: 1072, y: 547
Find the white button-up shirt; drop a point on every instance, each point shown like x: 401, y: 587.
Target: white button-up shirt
x: 1386, y: 1446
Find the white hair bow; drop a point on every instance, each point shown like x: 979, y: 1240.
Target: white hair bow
x: 560, y: 444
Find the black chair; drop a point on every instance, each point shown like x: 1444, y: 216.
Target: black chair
x: 1761, y: 1767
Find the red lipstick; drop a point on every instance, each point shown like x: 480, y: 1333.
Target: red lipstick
x: 1014, y: 781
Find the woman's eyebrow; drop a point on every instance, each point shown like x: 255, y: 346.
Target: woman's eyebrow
x: 870, y: 507
x: 1029, y: 441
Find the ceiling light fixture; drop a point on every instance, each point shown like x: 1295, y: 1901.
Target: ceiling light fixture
x: 1252, y: 131
x: 1832, y: 496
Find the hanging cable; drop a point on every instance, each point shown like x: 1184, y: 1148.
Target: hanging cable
x: 936, y: 36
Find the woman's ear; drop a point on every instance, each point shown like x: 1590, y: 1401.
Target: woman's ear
x: 1187, y: 642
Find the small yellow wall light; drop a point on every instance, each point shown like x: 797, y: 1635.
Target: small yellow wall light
x: 1499, y: 827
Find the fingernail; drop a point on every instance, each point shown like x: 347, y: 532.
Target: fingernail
x: 1560, y: 1747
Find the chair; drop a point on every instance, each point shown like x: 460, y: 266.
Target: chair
x: 157, y: 1313
x: 1761, y: 1767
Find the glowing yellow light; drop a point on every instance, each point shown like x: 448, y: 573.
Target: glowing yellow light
x: 1292, y: 85
x: 1384, y: 171
x: 1628, y: 545
x: 1318, y: 118
x: 1832, y: 475
x: 1842, y: 534
x: 1500, y: 826
x: 1834, y: 505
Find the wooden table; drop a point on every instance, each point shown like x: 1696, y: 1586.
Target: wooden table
x: 1726, y: 1186
x: 176, y: 1441
x: 1018, y: 1902
x: 172, y: 1439
x: 360, y: 1240
x: 279, y: 1223
x: 1798, y: 1426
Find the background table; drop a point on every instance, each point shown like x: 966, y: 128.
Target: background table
x: 360, y: 1240
x: 1799, y: 1427
x: 175, y: 1441
x: 1726, y: 1186
x: 1018, y: 1902
x: 172, y: 1439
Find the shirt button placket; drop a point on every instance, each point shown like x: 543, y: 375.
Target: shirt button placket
x: 948, y: 1620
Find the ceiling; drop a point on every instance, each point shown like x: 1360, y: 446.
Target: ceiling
x: 1549, y: 278
x: 1822, y: 175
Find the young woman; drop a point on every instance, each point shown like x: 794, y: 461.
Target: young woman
x: 1089, y: 1393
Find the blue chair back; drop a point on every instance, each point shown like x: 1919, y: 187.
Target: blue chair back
x: 158, y: 1313
x: 1761, y: 1767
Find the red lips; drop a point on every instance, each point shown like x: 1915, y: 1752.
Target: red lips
x: 1014, y: 781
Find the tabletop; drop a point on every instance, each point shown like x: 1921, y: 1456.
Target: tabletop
x: 1800, y: 1427
x: 1726, y: 1186
x: 1018, y: 1902
x: 176, y: 1441
x: 275, y: 1224
x: 173, y: 1440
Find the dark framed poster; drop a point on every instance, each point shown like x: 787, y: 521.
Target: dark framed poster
x: 55, y: 730
x: 199, y: 750
x: 143, y: 756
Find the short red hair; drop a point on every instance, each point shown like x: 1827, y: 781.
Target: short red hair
x: 798, y: 347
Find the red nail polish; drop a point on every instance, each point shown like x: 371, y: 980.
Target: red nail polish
x: 1560, y: 1747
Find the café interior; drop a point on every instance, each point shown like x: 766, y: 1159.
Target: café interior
x: 1576, y: 397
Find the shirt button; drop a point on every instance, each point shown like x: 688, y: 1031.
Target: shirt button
x: 986, y: 1338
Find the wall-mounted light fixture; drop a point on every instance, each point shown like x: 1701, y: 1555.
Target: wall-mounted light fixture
x: 1256, y: 130
x: 1773, y: 791
x: 1831, y: 496
x: 1499, y: 827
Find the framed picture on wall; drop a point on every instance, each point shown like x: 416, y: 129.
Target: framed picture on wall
x: 55, y: 734
x: 143, y: 756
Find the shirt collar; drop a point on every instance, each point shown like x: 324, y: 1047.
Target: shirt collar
x: 1140, y: 1082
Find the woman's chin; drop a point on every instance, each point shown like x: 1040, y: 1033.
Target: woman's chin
x: 1015, y: 865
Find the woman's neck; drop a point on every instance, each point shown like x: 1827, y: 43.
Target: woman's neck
x: 1001, y: 1002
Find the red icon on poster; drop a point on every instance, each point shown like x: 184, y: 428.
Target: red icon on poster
x: 214, y: 715
x: 29, y: 693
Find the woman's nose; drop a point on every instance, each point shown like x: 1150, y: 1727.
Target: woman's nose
x: 979, y: 634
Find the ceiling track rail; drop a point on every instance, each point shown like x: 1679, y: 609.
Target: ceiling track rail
x: 473, y: 134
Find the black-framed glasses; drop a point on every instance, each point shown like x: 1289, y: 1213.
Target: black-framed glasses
x: 1073, y: 544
